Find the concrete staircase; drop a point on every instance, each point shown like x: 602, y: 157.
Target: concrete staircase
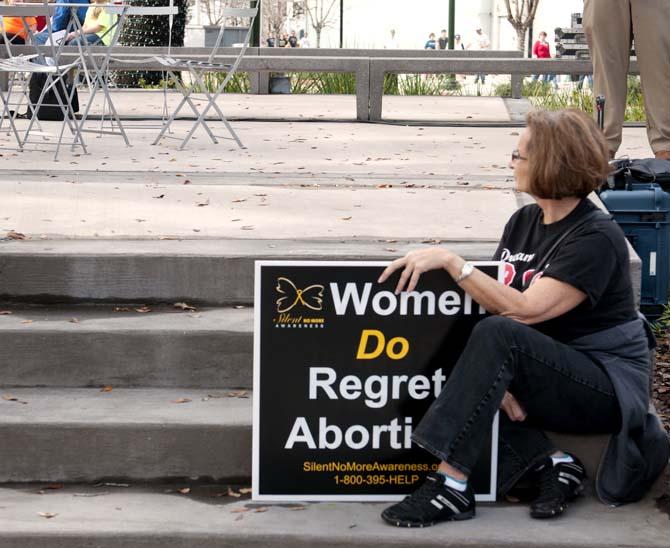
x: 106, y: 383
x: 124, y: 421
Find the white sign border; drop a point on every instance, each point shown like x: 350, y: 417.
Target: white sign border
x: 255, y: 495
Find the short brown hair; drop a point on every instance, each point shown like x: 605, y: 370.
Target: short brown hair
x: 567, y: 154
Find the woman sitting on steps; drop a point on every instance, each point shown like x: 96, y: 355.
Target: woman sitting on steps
x: 564, y: 350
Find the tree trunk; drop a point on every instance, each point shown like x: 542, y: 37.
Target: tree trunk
x: 521, y: 38
x: 318, y: 36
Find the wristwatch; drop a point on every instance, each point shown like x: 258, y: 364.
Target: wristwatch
x: 466, y: 270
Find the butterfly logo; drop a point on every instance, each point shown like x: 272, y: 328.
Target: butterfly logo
x: 310, y: 297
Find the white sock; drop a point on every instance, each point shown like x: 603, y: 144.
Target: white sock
x: 459, y: 485
x: 562, y: 458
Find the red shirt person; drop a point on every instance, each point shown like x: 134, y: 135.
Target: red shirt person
x: 541, y: 51
x: 541, y: 47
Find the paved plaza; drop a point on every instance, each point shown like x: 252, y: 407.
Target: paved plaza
x: 108, y: 388
x: 315, y: 179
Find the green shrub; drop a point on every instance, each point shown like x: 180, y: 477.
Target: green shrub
x: 542, y: 95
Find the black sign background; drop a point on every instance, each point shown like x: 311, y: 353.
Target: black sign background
x: 284, y: 355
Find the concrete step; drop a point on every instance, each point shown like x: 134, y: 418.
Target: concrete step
x: 145, y: 434
x: 93, y: 346
x: 215, y: 272
x: 148, y: 517
x: 85, y: 435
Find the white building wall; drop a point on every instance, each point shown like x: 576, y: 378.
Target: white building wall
x: 367, y: 23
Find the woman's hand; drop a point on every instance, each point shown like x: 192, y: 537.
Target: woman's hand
x: 416, y: 263
x: 513, y: 408
x: 70, y: 36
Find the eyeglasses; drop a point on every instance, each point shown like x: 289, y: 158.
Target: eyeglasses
x: 516, y: 155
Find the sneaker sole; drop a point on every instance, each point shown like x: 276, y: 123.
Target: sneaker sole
x: 414, y: 525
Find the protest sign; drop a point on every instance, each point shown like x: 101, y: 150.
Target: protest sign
x: 344, y: 369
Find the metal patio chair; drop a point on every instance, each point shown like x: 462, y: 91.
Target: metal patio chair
x: 197, y: 71
x: 38, y: 63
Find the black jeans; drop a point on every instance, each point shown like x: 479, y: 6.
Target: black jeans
x: 560, y: 388
x: 14, y: 39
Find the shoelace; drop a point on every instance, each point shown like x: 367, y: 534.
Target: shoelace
x: 550, y: 487
x: 427, y: 491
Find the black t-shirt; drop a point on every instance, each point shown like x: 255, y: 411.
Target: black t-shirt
x: 293, y: 40
x: 593, y: 259
x: 443, y: 43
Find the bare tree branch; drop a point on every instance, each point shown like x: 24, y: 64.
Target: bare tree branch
x: 521, y: 14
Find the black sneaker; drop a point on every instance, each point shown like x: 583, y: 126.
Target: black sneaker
x: 431, y: 503
x: 559, y: 485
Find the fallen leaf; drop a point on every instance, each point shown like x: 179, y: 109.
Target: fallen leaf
x: 107, y: 388
x: 182, y: 400
x: 248, y: 227
x: 26, y: 321
x: 47, y: 515
x: 239, y: 201
x: 8, y: 397
x: 298, y: 508
x: 185, y: 307
x: 245, y: 490
x: 232, y: 493
x: 346, y: 218
x: 143, y: 309
x: 13, y: 235
x: 240, y: 394
x: 261, y: 509
x: 159, y: 197
x: 187, y: 182
x: 240, y: 510
x: 184, y: 490
x: 384, y: 186
x: 73, y: 320
x: 6, y: 312
x: 203, y: 204
x: 121, y: 309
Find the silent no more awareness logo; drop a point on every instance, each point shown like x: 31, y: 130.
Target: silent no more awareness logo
x: 296, y: 307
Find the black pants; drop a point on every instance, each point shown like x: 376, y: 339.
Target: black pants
x: 560, y: 388
x: 13, y: 39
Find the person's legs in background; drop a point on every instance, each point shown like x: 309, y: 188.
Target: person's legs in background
x: 652, y: 46
x: 12, y: 39
x: 41, y: 38
x: 607, y: 27
x: 91, y: 39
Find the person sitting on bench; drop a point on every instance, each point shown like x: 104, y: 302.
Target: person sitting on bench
x: 13, y: 31
x: 96, y: 27
x: 564, y: 349
x: 61, y: 18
